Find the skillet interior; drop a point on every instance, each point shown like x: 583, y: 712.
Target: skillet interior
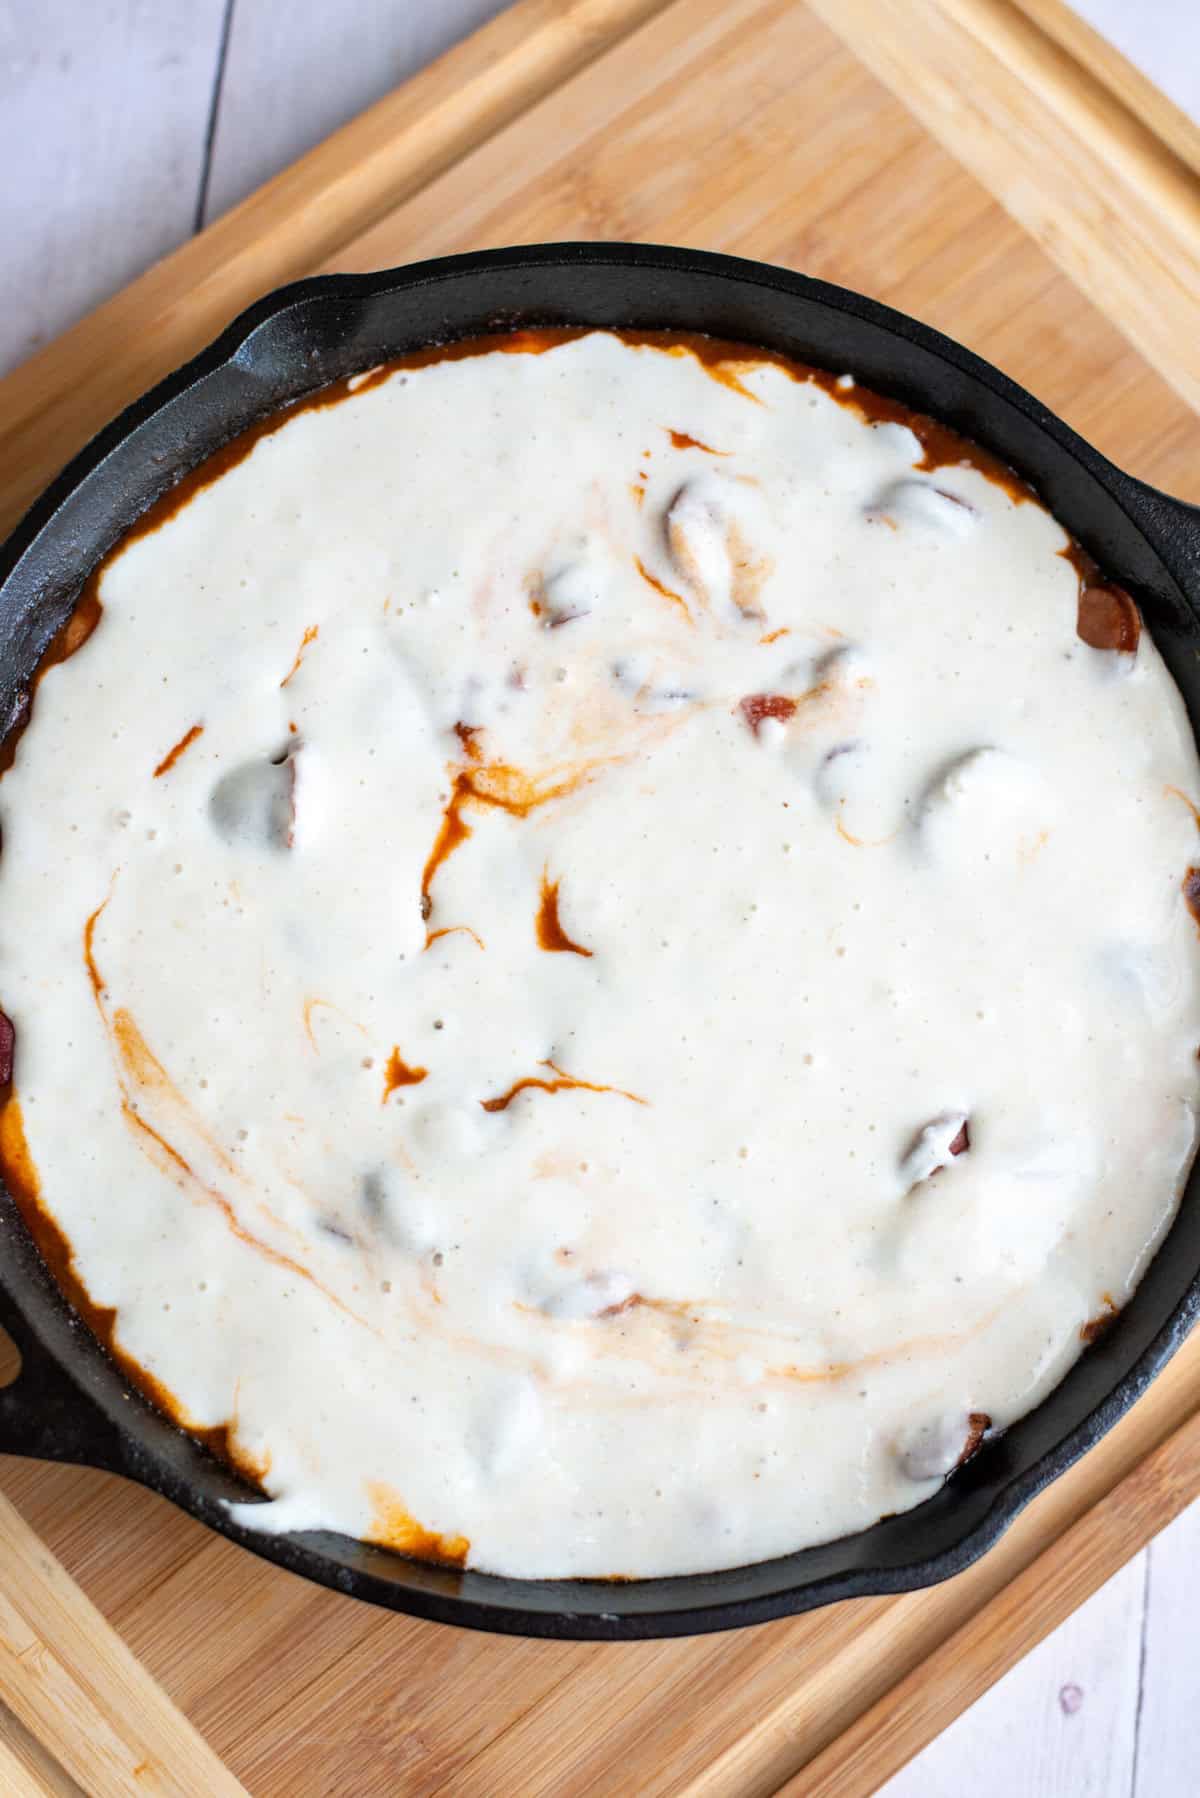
x: 71, y: 1402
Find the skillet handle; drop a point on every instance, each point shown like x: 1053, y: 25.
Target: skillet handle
x: 1172, y: 527
x: 45, y: 1415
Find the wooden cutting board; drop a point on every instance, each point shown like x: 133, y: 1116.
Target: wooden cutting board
x: 752, y: 126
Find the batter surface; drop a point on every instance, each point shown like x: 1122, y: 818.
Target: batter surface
x: 599, y: 948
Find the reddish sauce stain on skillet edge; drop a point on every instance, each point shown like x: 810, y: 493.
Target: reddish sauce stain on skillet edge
x: 21, y: 1179
x: 71, y: 635
x: 1099, y: 1326
x: 941, y: 446
x: 394, y: 1527
x: 978, y: 1423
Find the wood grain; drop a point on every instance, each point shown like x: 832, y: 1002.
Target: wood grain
x: 10, y: 1359
x: 1114, y: 205
x: 82, y: 1699
x: 27, y: 1767
x: 747, y: 126
x: 1128, y: 85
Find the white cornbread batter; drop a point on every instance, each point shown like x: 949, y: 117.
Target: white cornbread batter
x: 602, y: 978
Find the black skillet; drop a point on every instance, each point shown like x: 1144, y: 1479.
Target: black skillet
x: 71, y: 1402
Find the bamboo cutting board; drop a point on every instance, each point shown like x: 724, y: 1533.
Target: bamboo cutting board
x: 752, y: 126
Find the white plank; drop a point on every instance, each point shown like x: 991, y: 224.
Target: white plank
x: 1060, y: 1725
x: 1167, y: 1762
x: 295, y: 72
x: 104, y: 113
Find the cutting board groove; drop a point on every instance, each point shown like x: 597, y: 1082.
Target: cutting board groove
x: 749, y: 126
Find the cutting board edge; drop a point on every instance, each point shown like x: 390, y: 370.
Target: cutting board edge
x: 569, y: 48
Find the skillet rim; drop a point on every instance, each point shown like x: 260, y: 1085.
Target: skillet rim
x: 80, y: 1406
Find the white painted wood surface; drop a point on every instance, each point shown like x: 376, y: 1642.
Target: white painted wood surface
x: 296, y: 69
x: 124, y: 124
x: 1062, y: 1723
x: 104, y: 117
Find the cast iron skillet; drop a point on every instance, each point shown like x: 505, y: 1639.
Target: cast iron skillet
x: 70, y: 1402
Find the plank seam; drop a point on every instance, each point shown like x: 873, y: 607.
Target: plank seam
x: 214, y: 110
x: 1148, y: 1554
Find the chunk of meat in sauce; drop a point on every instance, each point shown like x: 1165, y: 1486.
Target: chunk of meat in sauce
x: 935, y: 1147
x: 1191, y: 892
x: 255, y: 804
x: 839, y: 770
x: 968, y: 776
x: 567, y: 593
x: 940, y: 1444
x: 1107, y: 618
x: 710, y: 528
x: 982, y: 804
x: 911, y: 503
x: 756, y: 708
